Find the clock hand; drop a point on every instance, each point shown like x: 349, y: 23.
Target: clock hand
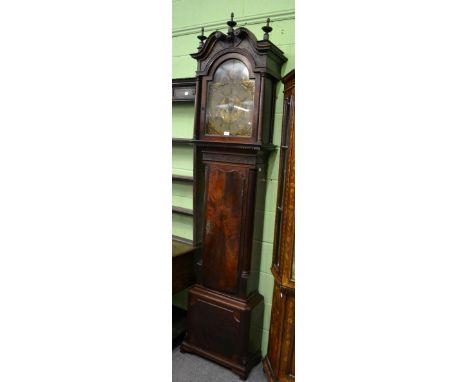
x: 241, y: 108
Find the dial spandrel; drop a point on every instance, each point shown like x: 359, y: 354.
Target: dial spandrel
x: 230, y: 102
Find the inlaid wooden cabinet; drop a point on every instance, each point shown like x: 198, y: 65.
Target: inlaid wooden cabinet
x: 234, y: 110
x: 279, y: 364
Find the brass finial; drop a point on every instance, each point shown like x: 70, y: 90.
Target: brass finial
x: 231, y: 23
x: 202, y: 38
x: 267, y: 29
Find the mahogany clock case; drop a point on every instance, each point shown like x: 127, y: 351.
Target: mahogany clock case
x: 234, y: 108
x: 225, y: 310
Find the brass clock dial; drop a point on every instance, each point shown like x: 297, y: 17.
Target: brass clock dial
x: 230, y: 102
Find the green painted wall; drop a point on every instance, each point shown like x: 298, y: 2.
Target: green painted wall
x: 188, y: 16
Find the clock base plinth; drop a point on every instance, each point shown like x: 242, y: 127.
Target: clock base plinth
x: 224, y: 329
x: 242, y: 371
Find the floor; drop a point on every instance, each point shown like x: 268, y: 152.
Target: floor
x: 191, y: 368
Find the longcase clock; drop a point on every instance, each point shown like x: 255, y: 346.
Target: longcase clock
x: 279, y: 363
x: 234, y: 109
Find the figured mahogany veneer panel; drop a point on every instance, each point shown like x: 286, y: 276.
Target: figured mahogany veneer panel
x: 225, y: 199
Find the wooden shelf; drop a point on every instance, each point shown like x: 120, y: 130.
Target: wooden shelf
x: 182, y: 211
x: 183, y: 92
x: 182, y: 239
x: 182, y: 141
x: 182, y: 178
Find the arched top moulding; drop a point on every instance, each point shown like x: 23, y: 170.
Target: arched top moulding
x: 265, y: 56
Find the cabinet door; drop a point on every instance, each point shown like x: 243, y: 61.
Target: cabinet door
x: 226, y: 188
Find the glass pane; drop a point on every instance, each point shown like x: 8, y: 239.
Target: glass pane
x: 230, y: 101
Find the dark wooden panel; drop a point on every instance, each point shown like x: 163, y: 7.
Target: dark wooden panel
x: 219, y: 328
x: 226, y: 187
x: 229, y: 158
x: 218, y: 334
